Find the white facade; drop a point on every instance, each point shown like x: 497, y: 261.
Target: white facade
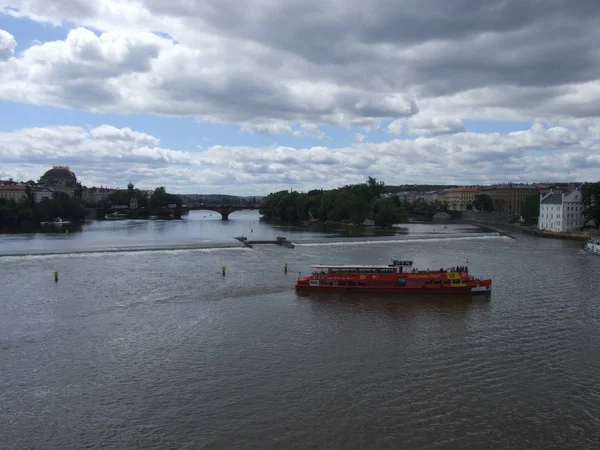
x: 17, y: 192
x: 41, y: 194
x: 94, y: 195
x: 560, y: 212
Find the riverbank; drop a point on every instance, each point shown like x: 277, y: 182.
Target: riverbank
x: 505, y: 228
x: 487, y: 227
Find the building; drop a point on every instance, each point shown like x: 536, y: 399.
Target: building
x: 62, y: 179
x: 14, y: 192
x: 561, y: 212
x: 507, y: 198
x: 458, y: 199
x: 94, y: 195
x: 17, y: 192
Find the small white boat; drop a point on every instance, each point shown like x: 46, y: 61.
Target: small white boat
x: 58, y: 222
x: 593, y: 245
x: 116, y: 216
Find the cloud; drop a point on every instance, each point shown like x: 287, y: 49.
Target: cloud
x: 291, y: 67
x: 114, y: 156
x: 336, y: 63
x: 421, y: 125
x: 7, y: 45
x: 278, y: 128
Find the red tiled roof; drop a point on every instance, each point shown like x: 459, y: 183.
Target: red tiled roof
x: 464, y: 189
x: 20, y: 187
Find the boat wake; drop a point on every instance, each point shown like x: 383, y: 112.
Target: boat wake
x: 136, y: 250
x: 398, y: 241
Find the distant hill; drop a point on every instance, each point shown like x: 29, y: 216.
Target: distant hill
x: 220, y: 198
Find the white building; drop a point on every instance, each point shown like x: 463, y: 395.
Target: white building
x: 561, y: 212
x: 17, y: 192
x: 94, y: 195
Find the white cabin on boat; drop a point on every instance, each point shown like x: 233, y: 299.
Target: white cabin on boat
x: 593, y: 245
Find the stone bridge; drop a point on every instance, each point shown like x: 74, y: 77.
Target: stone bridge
x: 225, y: 209
x: 428, y: 214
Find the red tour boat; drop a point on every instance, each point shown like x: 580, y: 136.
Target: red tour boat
x: 400, y: 276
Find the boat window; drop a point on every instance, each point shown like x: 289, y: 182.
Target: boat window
x: 401, y: 281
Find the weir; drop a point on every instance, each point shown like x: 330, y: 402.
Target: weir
x: 279, y: 241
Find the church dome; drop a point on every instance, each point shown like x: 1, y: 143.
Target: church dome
x: 60, y: 173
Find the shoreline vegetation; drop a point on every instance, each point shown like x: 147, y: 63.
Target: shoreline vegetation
x: 351, y: 205
x: 29, y: 216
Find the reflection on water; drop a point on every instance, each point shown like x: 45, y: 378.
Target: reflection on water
x: 398, y: 304
x: 156, y: 349
x: 201, y: 230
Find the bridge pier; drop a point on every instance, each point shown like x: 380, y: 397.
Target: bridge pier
x: 224, y: 215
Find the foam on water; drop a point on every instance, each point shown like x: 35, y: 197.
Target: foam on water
x: 399, y: 241
x: 104, y: 252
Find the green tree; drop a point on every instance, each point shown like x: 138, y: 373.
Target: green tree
x: 161, y: 198
x: 590, y: 198
x: 377, y: 187
x: 420, y: 203
x: 29, y: 196
x: 530, y: 209
x: 27, y: 214
x: 483, y: 202
x: 386, y: 212
x: 352, y: 203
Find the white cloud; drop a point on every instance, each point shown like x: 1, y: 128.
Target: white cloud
x: 112, y: 156
x: 421, y: 125
x: 289, y: 67
x: 337, y: 63
x: 7, y: 45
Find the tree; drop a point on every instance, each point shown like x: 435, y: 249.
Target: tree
x: 123, y: 197
x: 29, y: 196
x: 483, y: 202
x: 160, y: 198
x: 377, y: 187
x: 352, y: 203
x: 530, y: 209
x: 590, y: 198
x: 420, y: 203
x: 387, y: 213
x: 27, y: 214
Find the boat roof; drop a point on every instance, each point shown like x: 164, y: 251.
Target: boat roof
x: 353, y: 266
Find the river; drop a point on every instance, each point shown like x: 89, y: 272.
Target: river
x: 142, y: 343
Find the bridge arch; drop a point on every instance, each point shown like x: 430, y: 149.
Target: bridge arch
x: 223, y: 210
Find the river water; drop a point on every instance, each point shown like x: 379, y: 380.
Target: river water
x: 142, y: 343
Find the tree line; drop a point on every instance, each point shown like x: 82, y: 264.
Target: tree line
x: 351, y: 204
x: 159, y: 198
x: 27, y: 214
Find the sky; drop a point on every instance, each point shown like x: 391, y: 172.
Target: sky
x: 248, y: 98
